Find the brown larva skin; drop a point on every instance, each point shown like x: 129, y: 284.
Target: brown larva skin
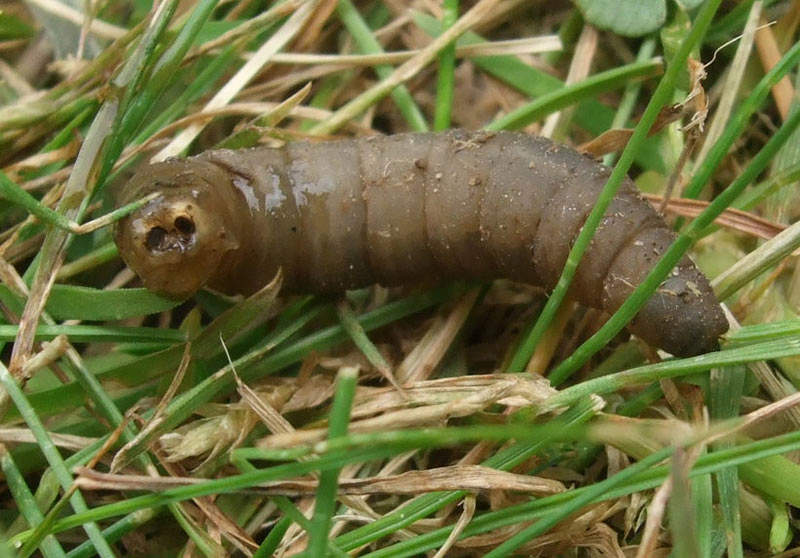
x: 400, y: 209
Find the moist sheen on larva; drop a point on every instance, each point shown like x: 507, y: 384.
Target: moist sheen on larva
x: 399, y: 209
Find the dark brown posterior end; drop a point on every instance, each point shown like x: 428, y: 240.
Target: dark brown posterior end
x: 683, y: 316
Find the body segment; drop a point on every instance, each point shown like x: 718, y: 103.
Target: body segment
x: 399, y: 209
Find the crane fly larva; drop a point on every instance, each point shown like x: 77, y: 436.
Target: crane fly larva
x: 338, y: 215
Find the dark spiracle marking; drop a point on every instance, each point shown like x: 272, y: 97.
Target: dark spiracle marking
x: 184, y: 225
x: 156, y: 239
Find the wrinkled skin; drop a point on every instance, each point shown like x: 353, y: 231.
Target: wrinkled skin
x: 398, y: 209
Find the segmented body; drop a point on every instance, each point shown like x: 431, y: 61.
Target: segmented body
x: 398, y: 209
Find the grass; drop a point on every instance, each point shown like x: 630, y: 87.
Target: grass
x: 389, y: 422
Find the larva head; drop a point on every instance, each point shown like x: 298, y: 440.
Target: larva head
x: 178, y: 242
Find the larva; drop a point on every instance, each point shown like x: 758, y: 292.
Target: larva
x: 397, y: 209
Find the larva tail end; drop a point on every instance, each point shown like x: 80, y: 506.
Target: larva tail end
x: 683, y: 317
x: 174, y: 244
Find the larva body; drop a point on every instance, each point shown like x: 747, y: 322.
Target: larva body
x: 398, y: 209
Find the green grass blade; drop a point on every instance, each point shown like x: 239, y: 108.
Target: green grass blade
x: 571, y: 94
x: 630, y: 96
x: 678, y: 367
x: 27, y: 504
x: 54, y: 459
x: 763, y: 332
x: 208, y: 75
x: 754, y: 263
x: 273, y: 539
x: 726, y: 388
x: 538, y: 508
x: 116, y: 531
x: 102, y: 254
x: 428, y: 504
x: 325, y: 502
x: 137, y: 70
x: 740, y: 119
x: 367, y: 44
x: 447, y: 65
x: 598, y: 489
x: 255, y: 364
x: 98, y: 334
x: 14, y: 194
x: 399, y: 442
x: 72, y: 302
x: 361, y: 340
x: 161, y: 73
